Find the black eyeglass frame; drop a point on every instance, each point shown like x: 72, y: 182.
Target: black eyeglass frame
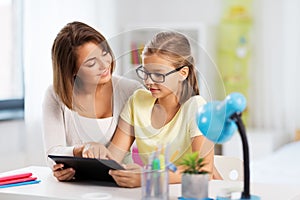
x: 148, y: 74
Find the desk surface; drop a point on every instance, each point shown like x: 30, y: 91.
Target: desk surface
x: 49, y: 189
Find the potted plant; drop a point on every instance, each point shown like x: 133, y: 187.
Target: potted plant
x: 194, y: 182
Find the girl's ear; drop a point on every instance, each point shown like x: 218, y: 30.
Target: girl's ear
x: 184, y: 72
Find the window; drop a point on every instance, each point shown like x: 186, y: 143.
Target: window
x: 11, y: 69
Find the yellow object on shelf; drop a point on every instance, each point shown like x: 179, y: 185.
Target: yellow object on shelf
x: 234, y: 47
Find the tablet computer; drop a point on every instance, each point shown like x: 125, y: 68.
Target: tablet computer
x: 88, y: 168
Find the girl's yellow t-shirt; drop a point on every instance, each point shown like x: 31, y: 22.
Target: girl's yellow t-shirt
x: 177, y: 134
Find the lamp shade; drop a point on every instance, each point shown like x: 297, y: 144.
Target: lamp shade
x: 214, y: 118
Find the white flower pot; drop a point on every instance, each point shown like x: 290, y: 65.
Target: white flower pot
x: 194, y: 185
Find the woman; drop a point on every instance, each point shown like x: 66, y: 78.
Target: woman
x: 81, y: 109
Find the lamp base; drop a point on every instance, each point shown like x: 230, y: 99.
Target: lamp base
x: 238, y: 197
x: 182, y: 198
x: 252, y: 197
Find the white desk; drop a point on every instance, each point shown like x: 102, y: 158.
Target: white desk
x: 49, y: 189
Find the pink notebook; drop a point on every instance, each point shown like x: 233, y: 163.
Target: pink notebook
x: 14, y: 177
x: 17, y: 180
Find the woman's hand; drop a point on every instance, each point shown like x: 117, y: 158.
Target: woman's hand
x: 130, y: 177
x: 63, y: 174
x: 96, y: 150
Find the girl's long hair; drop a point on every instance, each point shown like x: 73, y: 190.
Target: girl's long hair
x: 175, y: 47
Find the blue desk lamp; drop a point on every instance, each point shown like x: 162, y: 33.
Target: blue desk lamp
x: 218, y: 121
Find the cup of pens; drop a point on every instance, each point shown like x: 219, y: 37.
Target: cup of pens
x: 155, y: 184
x: 155, y: 175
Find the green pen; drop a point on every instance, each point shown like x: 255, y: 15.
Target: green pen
x: 156, y: 176
x: 156, y: 164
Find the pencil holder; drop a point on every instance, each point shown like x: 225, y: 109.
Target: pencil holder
x: 155, y: 184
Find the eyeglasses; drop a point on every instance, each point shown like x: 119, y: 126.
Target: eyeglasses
x: 155, y: 77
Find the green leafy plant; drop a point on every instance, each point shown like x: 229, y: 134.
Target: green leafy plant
x: 193, y: 163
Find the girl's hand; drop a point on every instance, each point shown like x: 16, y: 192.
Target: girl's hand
x: 130, y: 177
x: 95, y: 150
x: 63, y: 174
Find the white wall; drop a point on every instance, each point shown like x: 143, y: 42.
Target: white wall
x: 12, y: 145
x: 175, y: 11
x: 274, y: 89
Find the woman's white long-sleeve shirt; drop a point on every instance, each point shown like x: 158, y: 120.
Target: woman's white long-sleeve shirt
x: 64, y: 128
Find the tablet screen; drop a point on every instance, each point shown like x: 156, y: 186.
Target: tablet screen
x: 88, y: 168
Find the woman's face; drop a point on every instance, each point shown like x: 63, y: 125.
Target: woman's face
x: 94, y: 64
x: 156, y: 64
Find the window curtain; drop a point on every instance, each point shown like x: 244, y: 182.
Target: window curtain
x: 275, y: 88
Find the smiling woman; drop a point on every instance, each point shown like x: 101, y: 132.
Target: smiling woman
x: 11, y: 82
x: 82, y: 107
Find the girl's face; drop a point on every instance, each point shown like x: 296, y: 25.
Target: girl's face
x: 94, y: 64
x: 171, y: 84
